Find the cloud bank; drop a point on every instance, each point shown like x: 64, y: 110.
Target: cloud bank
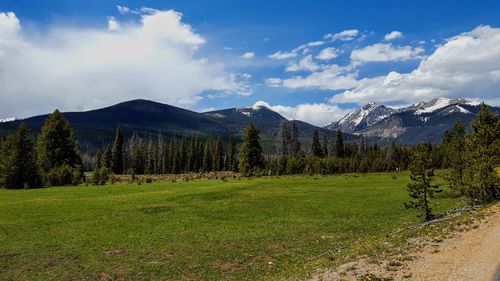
x: 76, y: 69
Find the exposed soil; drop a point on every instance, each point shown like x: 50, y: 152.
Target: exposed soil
x: 473, y: 254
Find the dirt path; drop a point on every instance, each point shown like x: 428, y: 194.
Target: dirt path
x: 473, y: 255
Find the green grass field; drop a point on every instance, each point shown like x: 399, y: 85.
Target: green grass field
x: 263, y: 228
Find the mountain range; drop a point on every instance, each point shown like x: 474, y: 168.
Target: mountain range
x: 96, y: 127
x: 421, y: 122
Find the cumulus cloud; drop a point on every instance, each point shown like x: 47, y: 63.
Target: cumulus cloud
x: 305, y: 64
x: 327, y: 54
x: 248, y: 55
x: 345, y: 35
x: 273, y: 82
x: 393, y: 35
x: 281, y: 55
x: 319, y: 114
x: 113, y: 24
x: 385, y: 52
x: 123, y: 10
x: 467, y: 65
x: 75, y: 69
x: 327, y: 79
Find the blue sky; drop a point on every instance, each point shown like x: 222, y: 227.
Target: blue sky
x: 219, y: 54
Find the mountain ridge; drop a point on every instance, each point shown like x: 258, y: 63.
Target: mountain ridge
x: 420, y: 122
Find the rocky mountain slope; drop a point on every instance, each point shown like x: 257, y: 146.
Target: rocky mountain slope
x: 421, y: 122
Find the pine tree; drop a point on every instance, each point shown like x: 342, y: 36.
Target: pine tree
x: 117, y: 153
x: 421, y: 189
x: 316, y: 149
x: 481, y: 181
x: 286, y: 140
x: 251, y: 158
x: 231, y: 163
x: 57, y: 155
x: 218, y: 156
x: 183, y: 156
x: 106, y: 159
x: 325, y: 146
x: 18, y: 168
x: 454, y: 146
x: 339, y: 144
x: 295, y: 143
x: 207, y: 157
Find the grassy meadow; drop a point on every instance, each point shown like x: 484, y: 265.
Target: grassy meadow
x: 239, y: 229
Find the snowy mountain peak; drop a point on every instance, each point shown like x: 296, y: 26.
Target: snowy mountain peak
x: 441, y: 103
x: 5, y: 120
x: 362, y: 117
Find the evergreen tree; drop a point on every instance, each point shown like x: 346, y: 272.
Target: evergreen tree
x: 482, y: 182
x: 57, y: 155
x: 183, y: 156
x: 325, y: 146
x: 316, y: 149
x: 421, y: 189
x: 106, y: 158
x: 454, y: 146
x: 295, y: 143
x: 339, y: 144
x: 251, y: 158
x: 117, y: 153
x: 207, y: 157
x: 18, y: 168
x: 231, y: 154
x: 218, y: 156
x: 286, y: 140
x: 149, y: 167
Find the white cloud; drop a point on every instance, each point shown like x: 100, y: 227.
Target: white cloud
x: 331, y: 78
x: 345, y: 35
x: 113, y: 24
x: 280, y: 55
x: 318, y: 114
x: 327, y: 54
x: 385, y: 52
x: 248, y: 55
x: 273, y: 82
x: 306, y: 64
x: 123, y: 10
x: 467, y: 65
x: 75, y: 69
x: 393, y: 35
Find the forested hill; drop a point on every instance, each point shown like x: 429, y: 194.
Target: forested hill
x: 97, y: 127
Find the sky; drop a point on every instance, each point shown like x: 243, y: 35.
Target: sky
x: 308, y: 60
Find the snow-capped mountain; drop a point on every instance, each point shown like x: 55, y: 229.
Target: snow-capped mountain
x: 421, y: 122
x: 361, y: 118
x: 10, y: 119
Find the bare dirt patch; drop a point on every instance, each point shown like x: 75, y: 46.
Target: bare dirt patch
x: 471, y: 251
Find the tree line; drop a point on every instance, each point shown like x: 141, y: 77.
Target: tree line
x: 471, y: 161
x: 54, y: 159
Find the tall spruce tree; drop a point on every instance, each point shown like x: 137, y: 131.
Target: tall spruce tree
x: 316, y: 149
x: 117, y: 153
x: 231, y: 154
x: 286, y: 140
x: 421, y: 189
x: 251, y: 158
x: 18, y: 168
x: 207, y: 157
x: 454, y: 148
x: 218, y: 156
x: 57, y: 155
x: 295, y: 143
x: 481, y: 180
x: 339, y: 144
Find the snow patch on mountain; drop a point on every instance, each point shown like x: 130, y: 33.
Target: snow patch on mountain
x: 5, y: 120
x: 433, y: 105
